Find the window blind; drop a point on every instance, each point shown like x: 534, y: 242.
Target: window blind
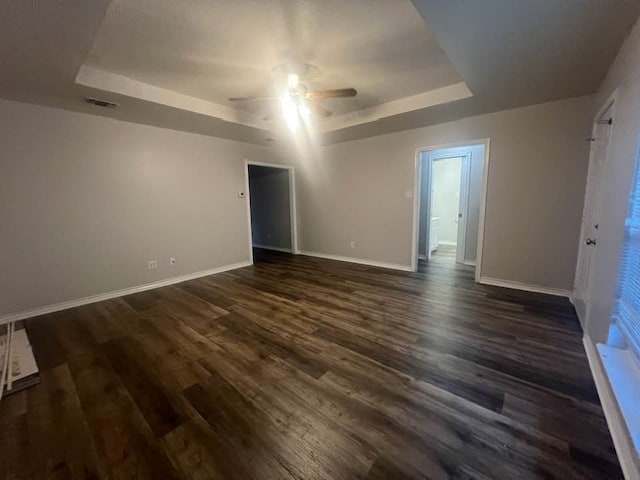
x: 627, y: 306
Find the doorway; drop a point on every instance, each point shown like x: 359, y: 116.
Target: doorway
x: 443, y: 231
x: 601, y: 134
x: 271, y: 208
x: 449, y: 205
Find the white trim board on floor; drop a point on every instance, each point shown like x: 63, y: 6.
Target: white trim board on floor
x: 622, y: 443
x: 496, y: 282
x: 276, y: 249
x: 56, y: 307
x: 360, y: 261
x: 580, y: 307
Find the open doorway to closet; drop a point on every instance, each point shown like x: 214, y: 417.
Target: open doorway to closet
x: 271, y: 208
x: 451, y: 186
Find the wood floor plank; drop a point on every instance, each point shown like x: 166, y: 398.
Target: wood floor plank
x: 198, y: 453
x: 316, y: 440
x: 124, y: 439
x: 305, y: 368
x: 247, y: 439
x: 14, y: 456
x: 60, y: 444
x: 49, y: 353
x: 553, y: 418
x: 141, y: 380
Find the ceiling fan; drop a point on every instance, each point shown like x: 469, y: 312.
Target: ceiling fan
x: 297, y: 101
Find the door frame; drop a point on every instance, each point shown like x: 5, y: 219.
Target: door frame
x: 580, y: 300
x: 292, y: 202
x: 463, y: 201
x: 417, y: 181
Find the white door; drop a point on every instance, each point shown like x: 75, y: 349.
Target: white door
x: 591, y: 213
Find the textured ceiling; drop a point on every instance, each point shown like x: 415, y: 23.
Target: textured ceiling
x: 216, y: 49
x: 513, y: 53
x: 43, y: 44
x: 509, y: 53
x: 530, y: 51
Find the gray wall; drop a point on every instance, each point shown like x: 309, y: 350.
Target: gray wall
x: 624, y: 75
x: 270, y: 207
x: 357, y: 191
x: 86, y: 201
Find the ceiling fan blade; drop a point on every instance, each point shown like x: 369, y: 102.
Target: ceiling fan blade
x: 240, y: 99
x: 337, y: 93
x: 319, y: 110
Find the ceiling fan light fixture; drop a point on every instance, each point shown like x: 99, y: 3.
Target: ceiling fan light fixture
x: 290, y: 112
x: 304, y: 111
x: 297, y: 102
x: 293, y: 80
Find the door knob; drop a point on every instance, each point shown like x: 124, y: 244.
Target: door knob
x: 591, y: 241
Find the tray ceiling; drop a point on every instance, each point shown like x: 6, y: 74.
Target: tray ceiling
x: 216, y: 49
x: 173, y: 64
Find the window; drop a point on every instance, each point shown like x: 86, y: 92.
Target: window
x: 627, y: 306
x: 621, y: 355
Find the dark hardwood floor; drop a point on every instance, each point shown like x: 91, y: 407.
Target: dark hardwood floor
x: 302, y: 368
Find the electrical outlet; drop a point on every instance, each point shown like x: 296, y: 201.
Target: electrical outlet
x: 353, y: 244
x: 152, y: 264
x: 172, y: 261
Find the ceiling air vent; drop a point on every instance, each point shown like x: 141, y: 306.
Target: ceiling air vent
x: 100, y: 103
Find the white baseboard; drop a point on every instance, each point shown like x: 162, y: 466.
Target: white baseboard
x: 496, y: 282
x: 622, y: 443
x: 269, y: 247
x: 361, y: 261
x: 445, y: 242
x: 470, y: 262
x: 580, y: 307
x: 56, y: 307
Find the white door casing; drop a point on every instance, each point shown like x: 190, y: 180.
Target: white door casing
x: 463, y: 207
x: 463, y: 202
x: 419, y: 165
